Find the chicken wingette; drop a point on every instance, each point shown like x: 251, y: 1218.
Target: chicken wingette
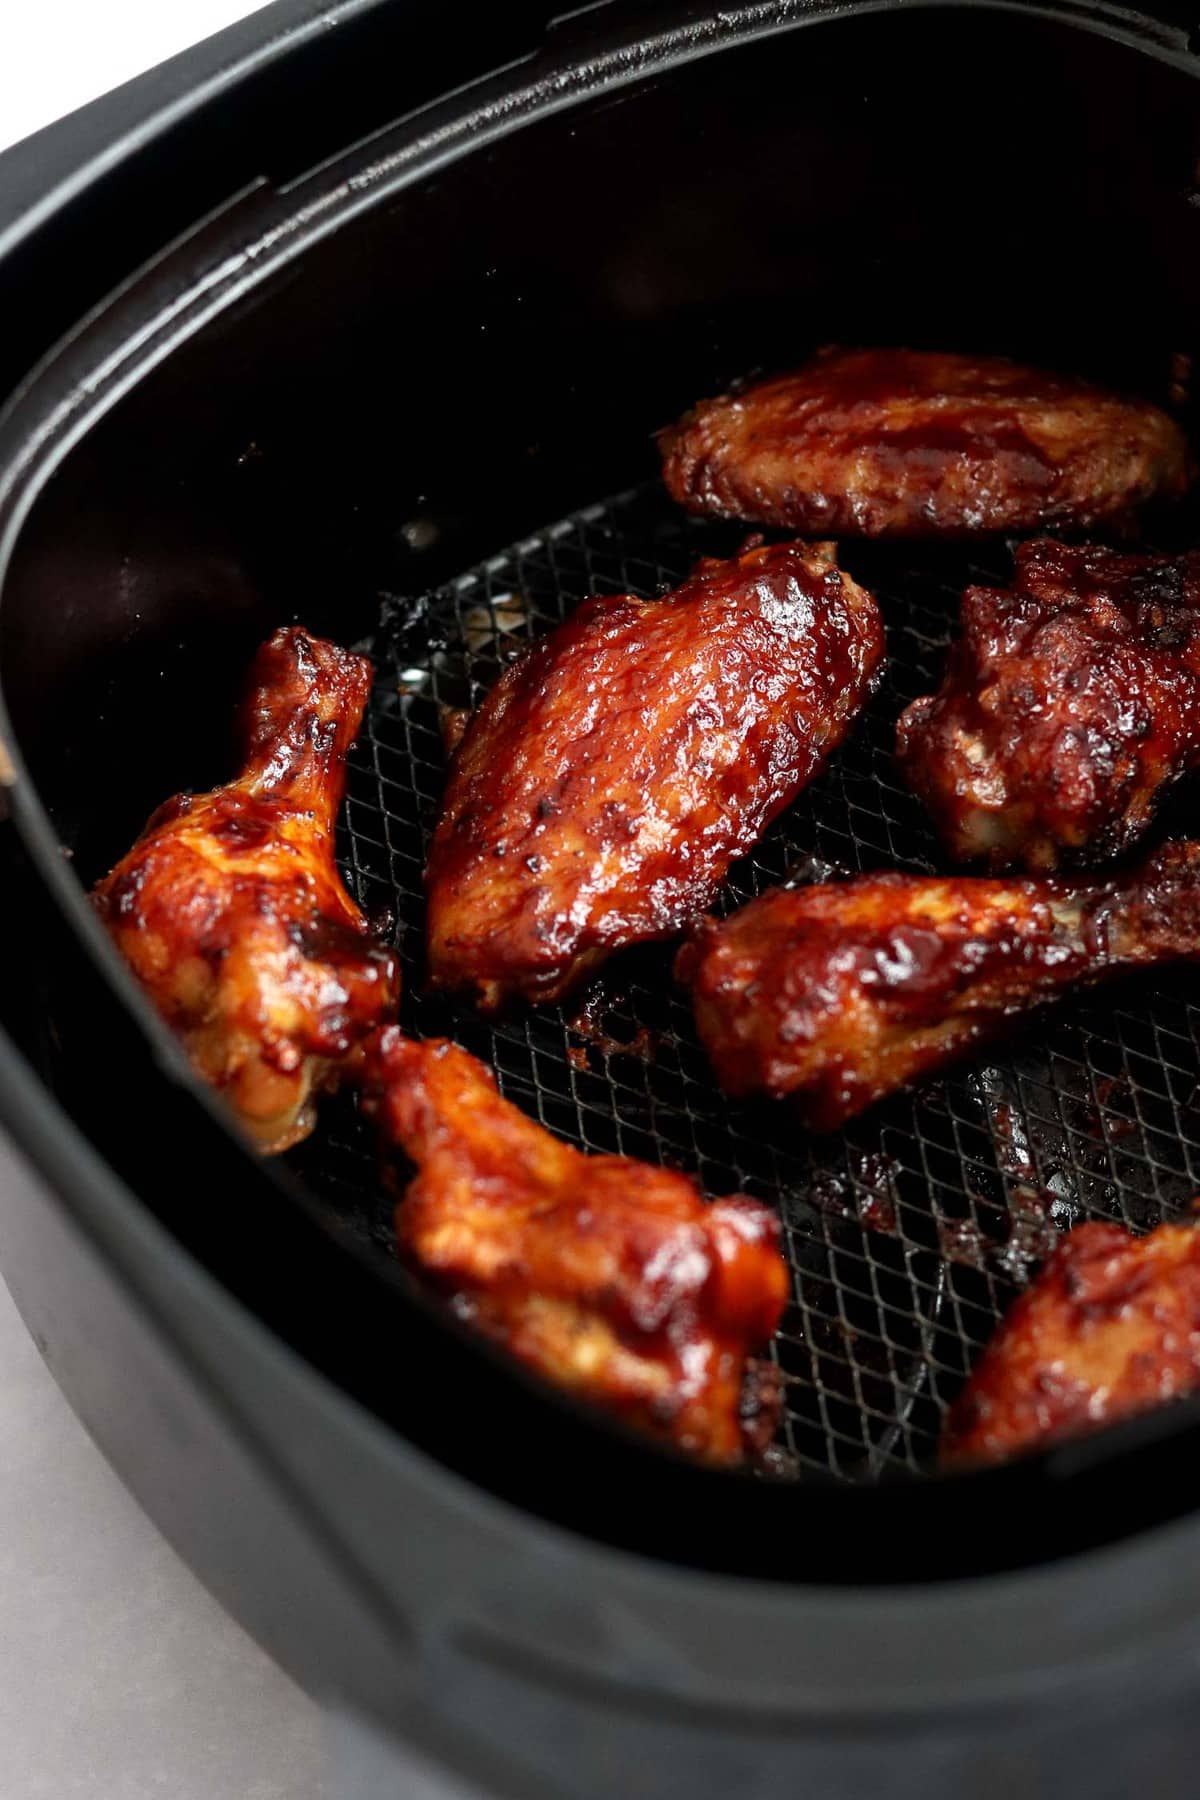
x: 607, y: 782
x: 610, y: 1277
x: 1109, y: 1327
x: 916, y: 443
x: 838, y: 994
x: 1071, y: 703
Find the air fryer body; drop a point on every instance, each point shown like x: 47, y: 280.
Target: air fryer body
x: 378, y: 349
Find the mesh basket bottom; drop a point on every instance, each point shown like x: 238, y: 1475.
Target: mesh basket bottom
x: 909, y: 1232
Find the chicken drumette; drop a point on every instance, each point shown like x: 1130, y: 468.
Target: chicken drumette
x: 1110, y: 1327
x: 230, y: 911
x: 610, y: 1277
x: 612, y: 775
x: 1070, y: 702
x: 838, y: 994
x: 905, y: 443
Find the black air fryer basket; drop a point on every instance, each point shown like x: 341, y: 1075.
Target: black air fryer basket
x: 365, y: 316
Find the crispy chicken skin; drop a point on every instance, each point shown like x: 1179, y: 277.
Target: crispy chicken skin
x: 612, y: 775
x: 230, y: 911
x: 911, y: 443
x: 1071, y: 701
x: 609, y: 1277
x: 1110, y: 1327
x: 838, y: 994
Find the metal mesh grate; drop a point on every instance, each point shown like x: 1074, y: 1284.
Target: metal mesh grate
x: 909, y: 1232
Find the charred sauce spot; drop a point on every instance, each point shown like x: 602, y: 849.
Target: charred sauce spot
x: 244, y: 830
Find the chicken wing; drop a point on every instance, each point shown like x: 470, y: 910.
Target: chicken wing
x: 230, y: 911
x: 608, y: 1276
x: 1070, y: 703
x: 908, y: 443
x: 1110, y: 1327
x: 612, y: 775
x: 840, y: 993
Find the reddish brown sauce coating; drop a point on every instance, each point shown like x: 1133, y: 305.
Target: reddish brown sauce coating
x: 1071, y: 701
x: 839, y: 994
x: 1110, y: 1327
x: 904, y: 443
x: 230, y: 911
x: 609, y: 779
x: 608, y: 1276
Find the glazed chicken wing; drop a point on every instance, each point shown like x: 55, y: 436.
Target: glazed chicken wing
x: 608, y: 1276
x: 612, y: 775
x: 1110, y: 1327
x: 838, y: 994
x: 230, y: 911
x: 1070, y: 703
x: 906, y: 443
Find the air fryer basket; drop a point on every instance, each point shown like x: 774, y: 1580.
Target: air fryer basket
x: 361, y: 394
x: 909, y: 1232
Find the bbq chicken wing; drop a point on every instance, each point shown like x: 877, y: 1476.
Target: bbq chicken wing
x: 230, y: 911
x: 612, y: 775
x: 1070, y: 703
x: 907, y: 443
x: 608, y: 1276
x: 838, y: 994
x: 1110, y: 1327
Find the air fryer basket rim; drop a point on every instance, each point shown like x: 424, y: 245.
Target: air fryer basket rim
x: 976, y: 1644
x: 86, y: 377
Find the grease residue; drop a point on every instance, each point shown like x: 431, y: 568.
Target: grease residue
x: 592, y: 1023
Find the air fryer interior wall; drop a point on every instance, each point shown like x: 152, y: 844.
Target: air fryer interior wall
x: 495, y: 344
x: 486, y: 349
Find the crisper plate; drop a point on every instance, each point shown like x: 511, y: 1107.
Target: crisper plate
x: 909, y: 1232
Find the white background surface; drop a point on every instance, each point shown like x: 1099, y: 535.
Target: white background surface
x: 56, y: 55
x: 120, y: 1679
